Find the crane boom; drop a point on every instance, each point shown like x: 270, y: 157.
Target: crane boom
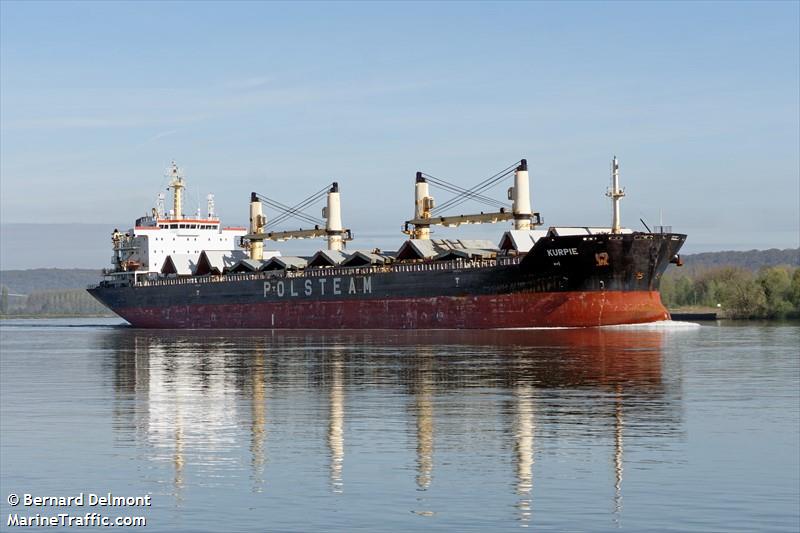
x: 294, y: 234
x: 457, y: 220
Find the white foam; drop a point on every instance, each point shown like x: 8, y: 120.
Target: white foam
x: 669, y: 325
x: 534, y: 328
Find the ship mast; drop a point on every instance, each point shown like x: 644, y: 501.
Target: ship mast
x: 333, y: 219
x: 177, y: 185
x: 423, y: 204
x: 616, y: 194
x: 520, y: 195
x: 210, y: 205
x: 257, y: 223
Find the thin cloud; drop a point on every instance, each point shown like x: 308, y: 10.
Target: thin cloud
x: 252, y: 92
x: 255, y: 82
x: 161, y: 135
x: 100, y: 123
x: 71, y: 123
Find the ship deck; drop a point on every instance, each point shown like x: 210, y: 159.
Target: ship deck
x: 325, y: 271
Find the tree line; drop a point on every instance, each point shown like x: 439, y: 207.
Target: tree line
x: 64, y: 302
x: 772, y: 292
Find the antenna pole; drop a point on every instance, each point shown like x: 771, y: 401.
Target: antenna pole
x: 160, y: 209
x: 210, y: 204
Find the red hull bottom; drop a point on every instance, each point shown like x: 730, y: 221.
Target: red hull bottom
x: 520, y: 310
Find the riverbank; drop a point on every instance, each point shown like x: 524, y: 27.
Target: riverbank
x: 734, y: 292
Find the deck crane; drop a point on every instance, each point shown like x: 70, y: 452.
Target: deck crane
x: 331, y: 228
x: 426, y: 214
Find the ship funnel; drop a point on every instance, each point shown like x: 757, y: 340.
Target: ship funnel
x: 520, y: 195
x: 257, y: 223
x: 333, y: 219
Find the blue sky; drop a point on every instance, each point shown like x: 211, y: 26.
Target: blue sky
x: 700, y: 101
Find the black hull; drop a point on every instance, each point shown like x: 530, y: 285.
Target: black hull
x: 563, y: 281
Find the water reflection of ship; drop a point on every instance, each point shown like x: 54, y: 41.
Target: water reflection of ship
x: 421, y: 386
x: 191, y: 394
x: 523, y: 445
x: 184, y: 405
x: 619, y: 425
x: 258, y: 425
x: 336, y: 421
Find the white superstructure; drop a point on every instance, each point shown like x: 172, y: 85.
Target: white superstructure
x: 145, y: 247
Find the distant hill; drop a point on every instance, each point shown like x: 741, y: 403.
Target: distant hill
x: 752, y: 260
x: 48, y: 279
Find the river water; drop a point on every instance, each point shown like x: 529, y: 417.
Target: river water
x: 660, y: 428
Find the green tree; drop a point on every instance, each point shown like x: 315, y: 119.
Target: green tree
x: 794, y: 291
x: 667, y: 290
x: 4, y: 300
x: 709, y: 288
x: 740, y: 294
x: 684, y: 289
x: 777, y: 284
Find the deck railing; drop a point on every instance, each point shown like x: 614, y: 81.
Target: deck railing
x: 426, y: 266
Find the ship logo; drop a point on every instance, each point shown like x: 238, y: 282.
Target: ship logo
x: 601, y: 258
x: 337, y: 287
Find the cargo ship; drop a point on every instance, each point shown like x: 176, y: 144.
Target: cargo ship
x: 176, y: 271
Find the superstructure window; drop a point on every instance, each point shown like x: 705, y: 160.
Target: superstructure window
x: 173, y: 226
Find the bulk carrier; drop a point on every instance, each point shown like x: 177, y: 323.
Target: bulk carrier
x: 176, y: 271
